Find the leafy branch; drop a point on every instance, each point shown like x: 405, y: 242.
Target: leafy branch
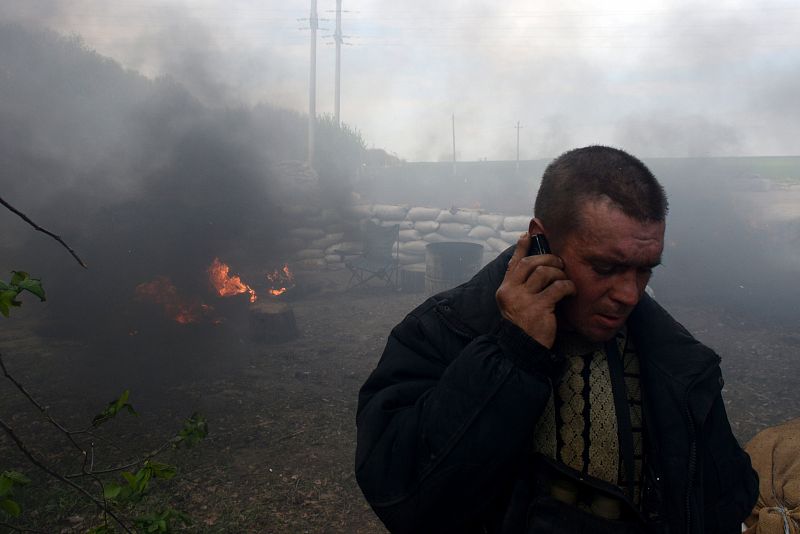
x: 29, y: 454
x: 111, y: 494
x: 20, y: 281
x: 135, y: 484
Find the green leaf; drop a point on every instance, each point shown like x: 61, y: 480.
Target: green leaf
x: 18, y: 276
x: 17, y: 477
x: 5, y: 486
x: 7, y: 300
x: 140, y: 481
x: 9, y: 479
x: 10, y: 507
x: 113, y: 408
x: 194, y: 429
x: 34, y: 286
x: 162, y: 471
x: 130, y: 478
x: 111, y: 491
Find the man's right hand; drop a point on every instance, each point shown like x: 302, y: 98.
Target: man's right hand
x: 532, y: 287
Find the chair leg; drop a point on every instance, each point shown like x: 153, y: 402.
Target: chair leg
x: 363, y: 279
x: 353, y: 274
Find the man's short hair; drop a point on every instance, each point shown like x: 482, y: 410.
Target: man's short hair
x: 594, y: 173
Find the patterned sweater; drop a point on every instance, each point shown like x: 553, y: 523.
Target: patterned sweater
x: 579, y: 424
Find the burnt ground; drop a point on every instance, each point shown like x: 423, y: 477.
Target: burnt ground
x: 279, y: 456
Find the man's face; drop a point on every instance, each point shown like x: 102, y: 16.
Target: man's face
x: 609, y: 258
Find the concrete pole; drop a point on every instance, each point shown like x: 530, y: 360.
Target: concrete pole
x: 338, y: 38
x: 312, y: 82
x: 454, y: 144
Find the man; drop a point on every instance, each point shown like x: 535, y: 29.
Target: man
x: 549, y: 393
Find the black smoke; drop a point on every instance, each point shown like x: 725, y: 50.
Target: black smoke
x: 143, y: 180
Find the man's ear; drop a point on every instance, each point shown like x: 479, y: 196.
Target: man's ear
x: 535, y: 227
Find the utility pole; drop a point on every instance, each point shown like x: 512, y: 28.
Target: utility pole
x: 312, y: 82
x: 337, y: 36
x: 454, y: 144
x: 518, y: 128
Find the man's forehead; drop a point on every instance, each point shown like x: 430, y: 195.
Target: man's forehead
x: 606, y: 234
x: 648, y: 256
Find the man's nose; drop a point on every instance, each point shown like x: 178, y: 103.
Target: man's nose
x: 626, y: 289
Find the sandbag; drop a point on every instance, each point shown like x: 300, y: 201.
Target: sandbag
x: 403, y: 225
x: 333, y: 258
x: 310, y: 264
x: 410, y: 235
x: 482, y: 232
x: 309, y: 254
x: 413, y: 247
x: 388, y: 212
x: 423, y: 214
x: 498, y: 245
x: 407, y: 259
x: 454, y: 230
x: 328, y: 240
x: 518, y: 223
x: 775, y: 455
x: 346, y: 247
x: 426, y: 227
x: 436, y: 237
x: 469, y: 217
x: 510, y: 237
x: 335, y: 266
x: 495, y: 222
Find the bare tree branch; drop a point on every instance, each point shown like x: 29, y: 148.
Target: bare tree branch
x: 29, y: 454
x: 70, y: 435
x: 39, y: 407
x: 43, y: 230
x: 134, y: 463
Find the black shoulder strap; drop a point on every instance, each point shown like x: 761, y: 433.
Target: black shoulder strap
x: 621, y: 407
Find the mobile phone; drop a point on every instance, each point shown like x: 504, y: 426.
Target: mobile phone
x: 539, y: 245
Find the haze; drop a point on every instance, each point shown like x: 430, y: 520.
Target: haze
x: 159, y: 138
x: 660, y: 78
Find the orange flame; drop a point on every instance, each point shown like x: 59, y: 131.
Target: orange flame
x: 280, y: 280
x: 161, y: 291
x: 225, y: 284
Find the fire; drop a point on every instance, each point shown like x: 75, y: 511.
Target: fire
x: 161, y: 291
x: 280, y: 280
x: 225, y: 284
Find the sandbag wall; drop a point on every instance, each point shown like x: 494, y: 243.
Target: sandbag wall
x: 419, y: 226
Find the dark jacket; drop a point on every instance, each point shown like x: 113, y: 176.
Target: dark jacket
x: 445, y: 421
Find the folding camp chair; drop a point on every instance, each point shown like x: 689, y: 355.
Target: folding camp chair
x: 379, y: 259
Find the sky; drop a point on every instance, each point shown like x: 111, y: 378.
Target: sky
x: 658, y: 78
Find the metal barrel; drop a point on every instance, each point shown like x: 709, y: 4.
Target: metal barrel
x: 450, y: 264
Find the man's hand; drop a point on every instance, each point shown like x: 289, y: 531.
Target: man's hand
x: 532, y: 287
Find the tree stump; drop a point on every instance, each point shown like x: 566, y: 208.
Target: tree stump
x: 272, y: 322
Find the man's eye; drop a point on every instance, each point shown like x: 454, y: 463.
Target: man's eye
x: 603, y: 270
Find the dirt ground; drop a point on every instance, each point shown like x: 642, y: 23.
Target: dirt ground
x: 279, y: 456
